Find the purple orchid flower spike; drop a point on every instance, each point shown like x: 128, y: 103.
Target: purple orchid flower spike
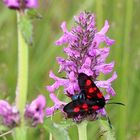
x: 35, y: 111
x: 84, y: 55
x: 21, y: 4
x: 9, y: 115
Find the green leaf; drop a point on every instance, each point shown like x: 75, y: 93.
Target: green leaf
x: 58, y: 131
x: 34, y: 14
x: 25, y: 25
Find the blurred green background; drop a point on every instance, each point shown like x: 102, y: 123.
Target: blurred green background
x: 124, y: 18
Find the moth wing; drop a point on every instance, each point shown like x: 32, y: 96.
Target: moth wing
x: 79, y: 107
x: 86, y: 83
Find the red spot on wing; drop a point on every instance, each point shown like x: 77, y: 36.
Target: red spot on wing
x: 92, y: 89
x: 89, y: 97
x: 76, y: 109
x: 85, y: 107
x: 88, y: 82
x: 99, y: 95
x: 95, y: 107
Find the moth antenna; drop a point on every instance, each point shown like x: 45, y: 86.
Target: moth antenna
x: 117, y: 103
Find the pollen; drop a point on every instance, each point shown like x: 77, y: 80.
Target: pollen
x: 76, y: 109
x: 88, y: 82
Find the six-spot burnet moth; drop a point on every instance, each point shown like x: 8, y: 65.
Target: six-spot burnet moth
x: 88, y: 101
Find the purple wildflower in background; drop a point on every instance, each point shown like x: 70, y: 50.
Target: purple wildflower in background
x: 84, y: 55
x: 21, y: 4
x: 9, y: 115
x: 13, y: 4
x: 34, y: 112
x: 31, y: 3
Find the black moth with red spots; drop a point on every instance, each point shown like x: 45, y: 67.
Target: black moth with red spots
x: 88, y: 101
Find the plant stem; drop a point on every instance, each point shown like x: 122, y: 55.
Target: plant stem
x: 50, y: 136
x: 22, y: 82
x: 82, y: 130
x: 22, y: 72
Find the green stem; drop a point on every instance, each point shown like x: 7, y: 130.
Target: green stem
x: 19, y: 133
x: 21, y: 93
x: 50, y: 136
x: 22, y: 72
x: 82, y: 130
